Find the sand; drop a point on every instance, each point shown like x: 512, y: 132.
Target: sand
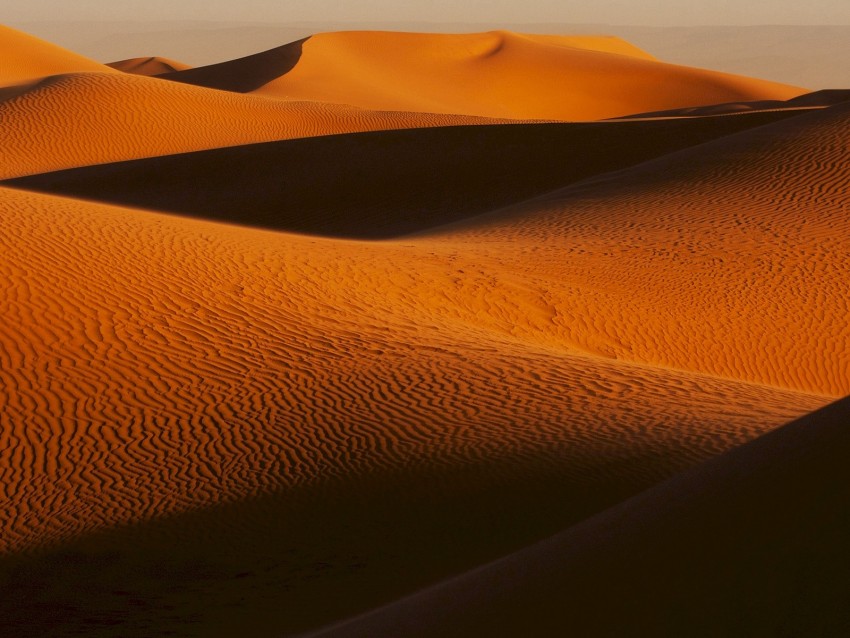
x: 24, y: 58
x: 94, y: 118
x: 493, y: 74
x: 746, y: 544
x: 270, y: 362
x: 148, y: 66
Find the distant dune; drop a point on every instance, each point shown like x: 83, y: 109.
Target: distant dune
x: 495, y: 74
x: 749, y: 544
x: 148, y: 66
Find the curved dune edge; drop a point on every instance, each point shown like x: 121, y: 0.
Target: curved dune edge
x: 25, y: 58
x: 94, y: 118
x: 495, y: 74
x: 148, y: 66
x: 745, y: 241
x: 750, y: 543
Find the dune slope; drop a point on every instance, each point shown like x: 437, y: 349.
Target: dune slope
x: 25, y: 58
x: 731, y: 257
x: 151, y: 366
x: 752, y: 543
x: 494, y: 74
x: 94, y: 118
x: 382, y: 184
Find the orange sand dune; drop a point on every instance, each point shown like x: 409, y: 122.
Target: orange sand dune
x: 24, y: 58
x: 148, y: 66
x: 93, y: 118
x: 753, y: 543
x: 386, y: 183
x: 495, y: 74
x: 152, y: 365
x: 732, y: 257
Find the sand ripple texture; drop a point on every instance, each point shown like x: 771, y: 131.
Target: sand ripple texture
x: 151, y: 364
x: 732, y: 258
x: 72, y: 120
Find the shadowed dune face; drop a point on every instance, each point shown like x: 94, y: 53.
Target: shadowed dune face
x: 384, y: 184
x: 246, y: 74
x: 749, y: 544
x: 495, y: 74
x: 148, y: 66
x: 730, y: 235
x: 24, y: 58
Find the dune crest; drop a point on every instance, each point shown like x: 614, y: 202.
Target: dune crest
x: 494, y: 74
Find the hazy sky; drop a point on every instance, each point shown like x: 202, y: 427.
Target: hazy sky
x: 637, y: 12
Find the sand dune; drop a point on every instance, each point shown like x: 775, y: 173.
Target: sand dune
x: 728, y: 236
x: 148, y: 66
x: 750, y: 544
x: 24, y: 58
x: 387, y: 183
x: 495, y: 74
x: 213, y: 429
x: 92, y: 118
x: 153, y: 365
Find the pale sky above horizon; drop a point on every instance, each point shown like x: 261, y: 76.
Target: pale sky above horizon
x: 624, y: 12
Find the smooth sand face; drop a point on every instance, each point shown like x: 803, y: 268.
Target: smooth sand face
x: 495, y: 74
x: 24, y: 58
x: 212, y: 429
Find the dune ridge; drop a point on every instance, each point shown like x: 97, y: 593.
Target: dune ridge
x: 494, y: 74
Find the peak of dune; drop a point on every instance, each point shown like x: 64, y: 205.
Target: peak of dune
x: 148, y: 66
x: 24, y: 58
x: 494, y: 74
x: 752, y: 543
